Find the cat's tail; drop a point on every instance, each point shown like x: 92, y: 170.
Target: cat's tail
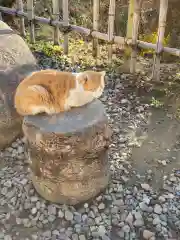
x: 32, y: 100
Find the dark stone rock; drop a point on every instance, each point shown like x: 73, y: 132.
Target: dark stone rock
x: 16, y: 62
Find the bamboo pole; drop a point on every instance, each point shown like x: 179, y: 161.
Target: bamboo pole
x: 56, y: 8
x: 96, y: 8
x: 129, y: 31
x: 22, y: 26
x: 111, y: 15
x: 30, y: 15
x: 135, y: 29
x: 66, y: 21
x: 94, y: 34
x: 161, y: 30
x: 130, y: 19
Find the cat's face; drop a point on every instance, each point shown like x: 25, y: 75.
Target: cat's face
x: 92, y: 81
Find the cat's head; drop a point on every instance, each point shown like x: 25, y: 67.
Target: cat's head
x: 92, y: 81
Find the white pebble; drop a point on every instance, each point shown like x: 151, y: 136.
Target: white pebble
x: 68, y: 216
x: 146, y: 186
x: 86, y: 205
x: 34, y: 210
x: 158, y: 209
x: 101, y: 206
x: 147, y: 234
x: 60, y: 214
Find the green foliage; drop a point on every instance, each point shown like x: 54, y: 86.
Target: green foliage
x: 80, y: 54
x: 156, y: 103
x: 50, y: 49
x: 121, y: 19
x: 46, y: 47
x: 152, y: 38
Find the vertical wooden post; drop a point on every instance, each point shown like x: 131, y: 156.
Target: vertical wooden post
x: 22, y: 26
x: 135, y: 29
x: 56, y: 8
x: 96, y: 7
x: 30, y: 12
x: 128, y: 35
x: 130, y: 19
x: 112, y: 5
x: 161, y: 30
x: 66, y: 20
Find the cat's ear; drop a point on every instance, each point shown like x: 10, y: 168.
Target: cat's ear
x: 103, y: 73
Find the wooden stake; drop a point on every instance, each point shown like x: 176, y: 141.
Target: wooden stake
x: 161, y: 30
x: 96, y: 7
x: 22, y: 26
x: 127, y: 50
x: 30, y: 14
x: 130, y: 19
x: 56, y: 8
x: 112, y: 5
x: 66, y: 21
x: 135, y: 29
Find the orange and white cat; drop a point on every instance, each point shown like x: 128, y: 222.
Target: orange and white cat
x: 50, y: 91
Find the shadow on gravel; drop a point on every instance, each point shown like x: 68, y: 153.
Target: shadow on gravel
x: 160, y: 151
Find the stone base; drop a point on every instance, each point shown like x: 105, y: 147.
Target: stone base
x: 70, y: 192
x: 69, y: 153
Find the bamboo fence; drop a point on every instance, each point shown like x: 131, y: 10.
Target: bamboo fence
x: 65, y: 27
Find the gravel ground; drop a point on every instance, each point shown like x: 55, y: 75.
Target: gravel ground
x: 123, y: 211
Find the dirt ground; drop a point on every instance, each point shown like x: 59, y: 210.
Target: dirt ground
x: 160, y: 149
